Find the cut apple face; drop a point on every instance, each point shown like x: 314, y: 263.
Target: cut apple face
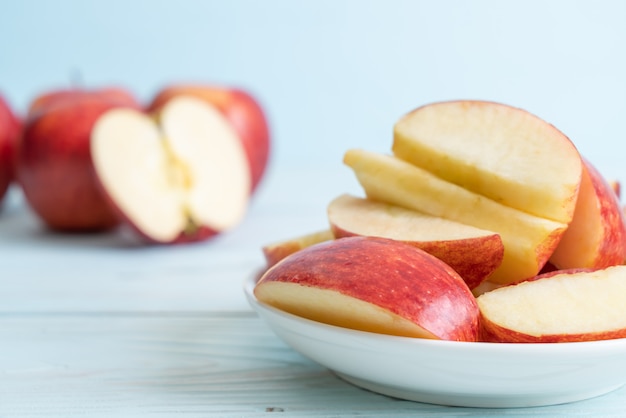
x: 596, y: 237
x: 373, y: 284
x: 472, y: 252
x: 278, y: 250
x: 565, y: 307
x: 498, y: 151
x: 175, y: 175
x: 528, y: 240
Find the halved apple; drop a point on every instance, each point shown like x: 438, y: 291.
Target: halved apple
x: 181, y: 176
x: 596, y: 237
x: 376, y: 285
x: 564, y: 306
x: 528, y: 240
x: 504, y: 153
x: 472, y: 252
x: 278, y: 250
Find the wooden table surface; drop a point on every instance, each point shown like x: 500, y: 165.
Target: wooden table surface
x: 99, y: 326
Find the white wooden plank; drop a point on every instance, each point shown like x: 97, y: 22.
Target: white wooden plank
x: 218, y: 365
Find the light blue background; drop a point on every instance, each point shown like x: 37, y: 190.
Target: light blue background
x: 337, y: 74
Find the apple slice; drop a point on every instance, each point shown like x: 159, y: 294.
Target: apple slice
x: 184, y: 178
x: 528, y: 240
x: 276, y: 251
x: 376, y: 285
x: 596, y: 237
x: 494, y: 150
x: 559, y: 307
x: 473, y: 253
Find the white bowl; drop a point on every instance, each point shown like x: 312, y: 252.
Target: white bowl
x: 486, y: 375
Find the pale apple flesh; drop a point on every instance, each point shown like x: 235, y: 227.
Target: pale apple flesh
x: 472, y: 252
x: 334, y: 308
x: 373, y: 284
x: 278, y: 250
x: 241, y: 109
x: 560, y: 307
x: 170, y: 177
x: 494, y: 150
x: 528, y: 240
x: 596, y: 237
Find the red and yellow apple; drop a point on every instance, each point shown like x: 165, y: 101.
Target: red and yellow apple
x: 373, y: 284
x: 179, y: 175
x: 473, y: 253
x: 560, y: 306
x: 10, y: 128
x: 241, y: 109
x: 54, y: 166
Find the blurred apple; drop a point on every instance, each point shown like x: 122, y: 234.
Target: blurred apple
x: 276, y: 251
x: 528, y: 240
x: 241, y: 109
x: 179, y: 176
x: 10, y: 128
x: 54, y: 166
x: 473, y: 253
x: 596, y: 237
x: 373, y: 284
x: 560, y: 306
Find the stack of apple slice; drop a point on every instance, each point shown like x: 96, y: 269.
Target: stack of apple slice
x: 502, y: 197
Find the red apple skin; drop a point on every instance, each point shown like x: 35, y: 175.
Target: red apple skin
x: 53, y: 98
x: 613, y: 250
x: 276, y: 251
x: 241, y: 109
x: 54, y: 160
x: 611, y: 232
x: 10, y: 129
x: 468, y: 259
x: 391, y: 275
x: 494, y: 333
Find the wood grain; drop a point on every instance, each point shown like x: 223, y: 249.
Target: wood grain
x: 186, y: 364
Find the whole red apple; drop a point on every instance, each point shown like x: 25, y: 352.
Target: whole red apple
x: 54, y: 165
x: 241, y: 109
x: 9, y: 135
